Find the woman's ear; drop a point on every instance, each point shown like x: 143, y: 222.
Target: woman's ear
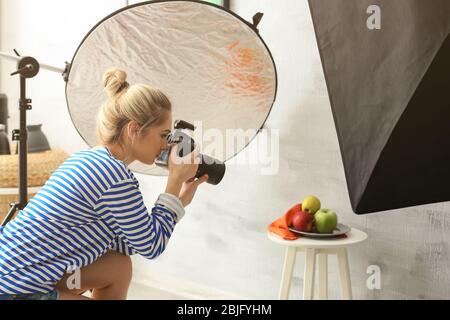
x: 133, y: 129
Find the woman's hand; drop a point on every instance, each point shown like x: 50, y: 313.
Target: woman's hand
x: 189, y: 189
x: 181, y: 170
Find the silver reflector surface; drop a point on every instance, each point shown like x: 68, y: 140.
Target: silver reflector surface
x: 212, y: 64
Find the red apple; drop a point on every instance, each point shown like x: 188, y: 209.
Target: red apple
x: 302, y: 221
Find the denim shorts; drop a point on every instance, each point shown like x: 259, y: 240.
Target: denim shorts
x: 53, y: 295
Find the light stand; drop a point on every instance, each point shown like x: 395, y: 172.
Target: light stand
x: 27, y: 68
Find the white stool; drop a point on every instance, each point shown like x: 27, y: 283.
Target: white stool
x: 321, y: 248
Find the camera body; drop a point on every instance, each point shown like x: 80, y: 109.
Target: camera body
x: 214, y: 168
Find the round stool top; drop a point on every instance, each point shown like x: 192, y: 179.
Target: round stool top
x: 353, y: 237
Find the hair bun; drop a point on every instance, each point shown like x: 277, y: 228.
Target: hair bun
x: 114, y: 81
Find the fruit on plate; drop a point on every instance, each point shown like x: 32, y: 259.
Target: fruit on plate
x: 325, y: 220
x: 303, y: 221
x: 311, y: 204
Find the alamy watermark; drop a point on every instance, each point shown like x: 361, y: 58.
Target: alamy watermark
x: 374, y: 20
x: 74, y: 281
x: 374, y: 280
x: 263, y: 147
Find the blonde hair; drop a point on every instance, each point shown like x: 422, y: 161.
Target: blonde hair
x: 140, y: 103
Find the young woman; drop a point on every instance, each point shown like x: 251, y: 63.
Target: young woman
x: 78, y: 232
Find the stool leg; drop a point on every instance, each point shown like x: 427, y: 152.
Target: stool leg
x: 323, y: 276
x: 286, y: 277
x: 308, y: 279
x: 344, y: 274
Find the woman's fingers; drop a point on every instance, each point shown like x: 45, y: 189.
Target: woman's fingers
x: 174, y: 154
x: 195, y: 155
x: 203, y: 179
x: 184, y: 167
x: 191, y: 158
x: 198, y: 181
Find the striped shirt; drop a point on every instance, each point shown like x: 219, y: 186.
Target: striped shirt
x: 91, y: 204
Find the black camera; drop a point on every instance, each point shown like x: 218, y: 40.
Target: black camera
x: 214, y: 168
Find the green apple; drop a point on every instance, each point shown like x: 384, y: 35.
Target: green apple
x: 311, y: 204
x: 326, y: 220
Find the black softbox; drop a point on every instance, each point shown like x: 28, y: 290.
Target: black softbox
x: 389, y: 90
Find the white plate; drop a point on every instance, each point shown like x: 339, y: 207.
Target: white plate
x: 340, y: 230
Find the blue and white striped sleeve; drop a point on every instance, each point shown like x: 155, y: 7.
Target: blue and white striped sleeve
x: 122, y: 208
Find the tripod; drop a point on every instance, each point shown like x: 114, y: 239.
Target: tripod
x: 27, y: 68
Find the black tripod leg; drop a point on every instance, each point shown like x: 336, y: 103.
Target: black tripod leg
x: 10, y: 215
